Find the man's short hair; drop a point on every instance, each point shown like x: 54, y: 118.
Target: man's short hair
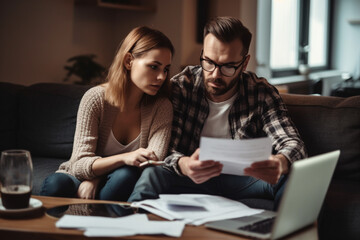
x: 226, y: 29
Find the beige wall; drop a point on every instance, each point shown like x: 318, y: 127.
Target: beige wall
x: 190, y: 48
x: 38, y: 36
x: 245, y: 10
x: 248, y: 9
x: 167, y: 19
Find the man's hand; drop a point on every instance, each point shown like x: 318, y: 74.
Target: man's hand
x: 88, y: 188
x: 199, y: 171
x: 269, y: 170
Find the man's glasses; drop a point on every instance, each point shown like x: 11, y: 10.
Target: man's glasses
x: 225, y: 69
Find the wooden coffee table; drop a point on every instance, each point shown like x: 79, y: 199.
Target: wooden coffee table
x: 43, y: 227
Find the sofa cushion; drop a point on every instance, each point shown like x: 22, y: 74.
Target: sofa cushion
x: 47, y: 118
x: 329, y: 123
x: 43, y: 167
x: 9, y: 105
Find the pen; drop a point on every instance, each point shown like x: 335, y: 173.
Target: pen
x: 152, y: 162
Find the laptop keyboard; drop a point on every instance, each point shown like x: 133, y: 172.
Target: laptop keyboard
x: 263, y: 226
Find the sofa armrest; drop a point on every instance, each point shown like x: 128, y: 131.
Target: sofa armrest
x: 329, y: 123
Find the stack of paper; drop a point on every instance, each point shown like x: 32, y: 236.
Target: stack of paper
x: 122, y: 226
x: 195, y: 209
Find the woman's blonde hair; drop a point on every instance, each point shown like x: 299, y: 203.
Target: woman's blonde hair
x: 139, y: 41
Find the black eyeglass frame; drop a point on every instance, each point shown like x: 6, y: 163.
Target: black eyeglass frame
x: 220, y: 65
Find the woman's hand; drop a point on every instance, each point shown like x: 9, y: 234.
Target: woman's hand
x: 88, y: 188
x: 106, y: 165
x: 135, y: 158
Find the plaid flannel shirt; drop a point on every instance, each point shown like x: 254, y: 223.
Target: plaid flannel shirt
x: 257, y: 111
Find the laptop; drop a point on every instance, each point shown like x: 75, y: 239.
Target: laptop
x: 300, y: 204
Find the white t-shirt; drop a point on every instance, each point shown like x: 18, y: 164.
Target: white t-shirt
x: 113, y: 147
x: 217, y: 123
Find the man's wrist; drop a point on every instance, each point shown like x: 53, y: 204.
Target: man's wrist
x: 176, y: 167
x: 180, y: 165
x: 285, y: 163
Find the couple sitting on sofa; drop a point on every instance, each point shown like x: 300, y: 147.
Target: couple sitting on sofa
x: 128, y: 121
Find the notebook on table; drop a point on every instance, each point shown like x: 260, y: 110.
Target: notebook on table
x: 299, y: 207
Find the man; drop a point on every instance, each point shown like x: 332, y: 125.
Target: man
x: 219, y: 99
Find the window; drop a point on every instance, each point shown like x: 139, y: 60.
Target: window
x: 318, y: 33
x: 299, y: 34
x: 284, y: 34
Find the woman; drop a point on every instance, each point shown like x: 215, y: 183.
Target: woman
x: 120, y: 124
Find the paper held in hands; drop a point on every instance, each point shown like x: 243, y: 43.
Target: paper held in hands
x: 235, y: 155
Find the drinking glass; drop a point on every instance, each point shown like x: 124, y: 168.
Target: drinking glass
x: 16, y: 172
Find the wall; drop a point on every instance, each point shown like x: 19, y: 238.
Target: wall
x: 248, y: 15
x: 38, y: 36
x: 190, y: 48
x: 168, y: 19
x: 245, y: 10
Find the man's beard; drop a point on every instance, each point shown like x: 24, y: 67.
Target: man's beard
x: 223, y: 87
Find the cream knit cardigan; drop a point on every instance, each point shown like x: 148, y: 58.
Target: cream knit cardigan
x: 94, y: 123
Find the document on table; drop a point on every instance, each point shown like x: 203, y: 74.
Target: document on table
x: 235, y: 155
x: 135, y: 224
x: 195, y: 209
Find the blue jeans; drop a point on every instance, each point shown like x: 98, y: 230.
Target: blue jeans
x: 116, y: 186
x: 157, y: 180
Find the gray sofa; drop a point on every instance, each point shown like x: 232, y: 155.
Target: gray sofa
x: 42, y: 117
x: 325, y: 124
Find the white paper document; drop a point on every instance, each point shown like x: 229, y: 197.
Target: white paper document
x: 195, y: 209
x: 235, y: 155
x: 123, y: 226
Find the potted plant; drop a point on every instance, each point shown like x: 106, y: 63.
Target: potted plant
x: 86, y: 69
